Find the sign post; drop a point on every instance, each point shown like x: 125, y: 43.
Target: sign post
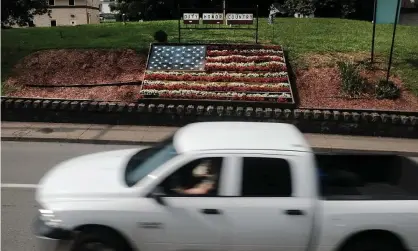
x: 191, y: 18
x: 234, y: 19
x: 256, y: 30
x: 374, y: 30
x: 213, y: 18
x: 393, y: 40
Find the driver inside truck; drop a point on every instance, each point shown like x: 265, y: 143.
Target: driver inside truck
x: 207, y: 174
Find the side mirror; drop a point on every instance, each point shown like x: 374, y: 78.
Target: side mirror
x: 158, y: 196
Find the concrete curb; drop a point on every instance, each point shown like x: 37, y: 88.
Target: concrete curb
x: 149, y: 143
x: 79, y: 141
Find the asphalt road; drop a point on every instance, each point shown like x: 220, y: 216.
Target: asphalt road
x: 23, y: 164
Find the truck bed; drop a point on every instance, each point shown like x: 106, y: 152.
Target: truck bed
x: 354, y: 176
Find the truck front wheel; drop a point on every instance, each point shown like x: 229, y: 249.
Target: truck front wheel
x: 99, y: 240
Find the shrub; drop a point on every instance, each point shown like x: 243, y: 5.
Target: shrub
x: 351, y: 81
x: 305, y: 7
x: 160, y: 36
x: 387, y: 89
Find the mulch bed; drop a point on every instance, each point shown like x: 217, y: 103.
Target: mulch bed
x: 54, y: 67
x: 318, y: 84
x: 320, y: 88
x: 64, y: 67
x: 127, y: 93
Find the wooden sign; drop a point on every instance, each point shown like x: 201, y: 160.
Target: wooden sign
x: 191, y: 18
x: 213, y: 18
x: 239, y: 18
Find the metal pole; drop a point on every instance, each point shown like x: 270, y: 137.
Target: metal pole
x: 179, y: 22
x: 393, y: 39
x: 224, y: 11
x: 256, y: 31
x: 374, y: 30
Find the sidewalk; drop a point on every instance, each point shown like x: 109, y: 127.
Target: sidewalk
x: 116, y: 134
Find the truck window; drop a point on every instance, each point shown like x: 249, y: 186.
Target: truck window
x: 266, y: 177
x: 199, y: 177
x: 352, y: 176
x: 147, y: 160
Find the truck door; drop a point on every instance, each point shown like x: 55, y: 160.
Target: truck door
x: 271, y: 212
x: 191, y: 221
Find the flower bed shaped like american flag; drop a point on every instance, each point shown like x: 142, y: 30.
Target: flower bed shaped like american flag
x: 218, y: 73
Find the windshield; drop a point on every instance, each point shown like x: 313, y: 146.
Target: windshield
x: 147, y: 160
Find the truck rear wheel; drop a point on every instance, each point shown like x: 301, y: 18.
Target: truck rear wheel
x: 372, y: 245
x: 99, y: 240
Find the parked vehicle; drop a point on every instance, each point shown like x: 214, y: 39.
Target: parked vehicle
x: 230, y: 186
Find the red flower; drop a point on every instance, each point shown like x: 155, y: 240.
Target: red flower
x: 243, y: 53
x: 282, y: 100
x: 245, y: 60
x: 209, y: 97
x: 208, y: 78
x: 243, y: 47
x: 273, y: 67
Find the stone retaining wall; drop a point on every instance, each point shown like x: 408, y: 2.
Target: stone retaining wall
x: 373, y: 123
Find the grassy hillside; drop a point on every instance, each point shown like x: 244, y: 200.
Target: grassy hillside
x: 299, y: 36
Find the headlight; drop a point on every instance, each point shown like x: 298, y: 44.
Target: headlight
x: 48, y: 218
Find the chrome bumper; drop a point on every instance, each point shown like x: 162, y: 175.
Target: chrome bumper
x: 49, y: 244
x: 51, y: 238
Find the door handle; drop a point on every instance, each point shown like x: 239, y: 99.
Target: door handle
x: 210, y: 211
x: 294, y: 212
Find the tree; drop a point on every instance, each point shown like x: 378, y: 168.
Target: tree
x: 304, y: 7
x: 21, y: 12
x: 340, y: 8
x: 145, y: 9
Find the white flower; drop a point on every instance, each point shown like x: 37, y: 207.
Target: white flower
x: 219, y: 94
x: 225, y: 73
x: 229, y: 84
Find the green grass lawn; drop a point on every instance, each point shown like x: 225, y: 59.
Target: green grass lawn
x: 299, y: 36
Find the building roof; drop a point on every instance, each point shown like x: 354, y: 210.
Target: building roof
x: 239, y: 136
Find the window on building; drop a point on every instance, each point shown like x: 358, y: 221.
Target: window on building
x: 71, y: 2
x: 51, y: 2
x: 266, y: 177
x: 53, y: 23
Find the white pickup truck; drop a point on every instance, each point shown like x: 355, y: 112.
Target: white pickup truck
x: 237, y: 186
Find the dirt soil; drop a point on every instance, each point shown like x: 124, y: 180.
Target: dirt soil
x: 318, y: 85
x: 317, y: 79
x: 86, y: 67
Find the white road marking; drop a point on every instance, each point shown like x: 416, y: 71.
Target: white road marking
x: 24, y: 186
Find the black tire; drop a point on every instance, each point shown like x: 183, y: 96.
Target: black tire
x: 93, y: 239
x: 372, y: 245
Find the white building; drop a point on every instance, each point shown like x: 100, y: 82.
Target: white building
x: 69, y: 12
x: 105, y: 12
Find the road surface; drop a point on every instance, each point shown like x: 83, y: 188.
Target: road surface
x: 23, y: 164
